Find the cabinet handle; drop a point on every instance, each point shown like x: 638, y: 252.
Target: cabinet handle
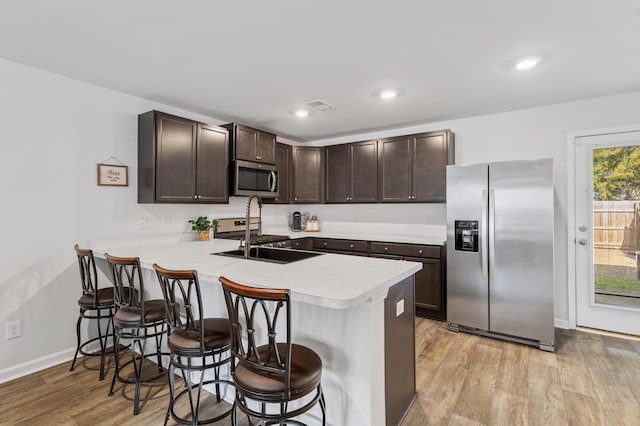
x: 386, y: 248
x: 351, y: 246
x: 195, y: 197
x: 295, y: 199
x: 420, y: 251
x: 258, y: 157
x: 325, y: 244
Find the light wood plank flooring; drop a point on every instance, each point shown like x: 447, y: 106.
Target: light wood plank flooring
x: 462, y: 379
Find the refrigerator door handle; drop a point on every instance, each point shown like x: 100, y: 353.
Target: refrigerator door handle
x: 483, y: 231
x: 492, y: 234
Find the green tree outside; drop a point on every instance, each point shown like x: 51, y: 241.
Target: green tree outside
x: 616, y: 173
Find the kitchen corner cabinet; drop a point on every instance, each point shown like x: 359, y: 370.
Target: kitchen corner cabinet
x: 283, y: 166
x: 181, y: 161
x: 413, y: 168
x: 352, y: 172
x: 251, y: 144
x: 308, y: 175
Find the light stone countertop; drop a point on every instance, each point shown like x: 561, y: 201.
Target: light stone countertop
x: 329, y: 280
x: 396, y: 233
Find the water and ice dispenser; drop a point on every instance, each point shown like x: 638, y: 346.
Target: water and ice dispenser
x: 466, y: 232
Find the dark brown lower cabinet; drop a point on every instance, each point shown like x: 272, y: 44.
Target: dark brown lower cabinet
x: 302, y: 244
x: 429, y: 289
x: 430, y: 281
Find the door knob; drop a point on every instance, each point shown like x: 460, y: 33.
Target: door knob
x: 582, y: 228
x: 582, y: 241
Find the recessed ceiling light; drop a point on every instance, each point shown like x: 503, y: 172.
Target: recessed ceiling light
x: 388, y: 93
x: 527, y: 63
x: 301, y: 113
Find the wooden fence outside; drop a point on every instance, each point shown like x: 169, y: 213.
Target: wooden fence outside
x: 616, y: 224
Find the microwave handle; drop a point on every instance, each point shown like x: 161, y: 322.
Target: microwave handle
x: 273, y: 180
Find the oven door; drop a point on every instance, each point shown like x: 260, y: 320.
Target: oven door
x: 255, y: 179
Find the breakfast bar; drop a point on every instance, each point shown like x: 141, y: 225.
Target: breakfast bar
x: 355, y: 312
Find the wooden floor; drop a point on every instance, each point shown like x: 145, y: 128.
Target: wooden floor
x: 462, y: 379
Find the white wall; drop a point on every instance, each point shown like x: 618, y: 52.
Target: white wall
x: 54, y: 131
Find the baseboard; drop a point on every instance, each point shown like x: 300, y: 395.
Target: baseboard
x: 35, y: 365
x: 562, y: 323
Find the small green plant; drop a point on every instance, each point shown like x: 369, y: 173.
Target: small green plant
x: 203, y: 223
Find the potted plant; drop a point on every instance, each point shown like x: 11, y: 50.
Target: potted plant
x: 203, y: 225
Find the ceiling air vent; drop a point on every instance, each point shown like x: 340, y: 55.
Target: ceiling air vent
x: 319, y: 105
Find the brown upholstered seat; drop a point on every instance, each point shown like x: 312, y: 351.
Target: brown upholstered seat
x: 306, y: 371
x: 90, y: 301
x: 136, y: 320
x: 216, y: 334
x: 95, y: 303
x: 264, y: 370
x: 130, y: 317
x: 193, y: 336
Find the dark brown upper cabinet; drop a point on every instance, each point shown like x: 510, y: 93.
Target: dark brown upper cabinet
x: 413, y: 168
x: 181, y: 160
x: 251, y: 144
x: 308, y: 175
x: 352, y: 173
x: 283, y: 165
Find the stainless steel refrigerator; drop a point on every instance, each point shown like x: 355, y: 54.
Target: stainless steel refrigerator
x: 500, y: 250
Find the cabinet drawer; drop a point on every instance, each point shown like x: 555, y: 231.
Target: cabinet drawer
x: 302, y: 244
x: 341, y: 245
x: 412, y: 250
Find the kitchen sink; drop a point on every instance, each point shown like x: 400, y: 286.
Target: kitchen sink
x: 268, y: 254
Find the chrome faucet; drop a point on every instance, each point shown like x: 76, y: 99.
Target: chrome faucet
x: 247, y: 229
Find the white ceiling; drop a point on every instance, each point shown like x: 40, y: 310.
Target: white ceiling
x: 255, y: 61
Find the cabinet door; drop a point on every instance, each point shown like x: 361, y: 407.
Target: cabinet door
x: 266, y: 152
x: 308, y: 175
x: 246, y: 140
x: 364, y: 172
x: 395, y: 170
x: 429, y: 167
x: 428, y: 288
x: 283, y: 166
x: 212, y: 164
x: 175, y: 159
x: 338, y: 159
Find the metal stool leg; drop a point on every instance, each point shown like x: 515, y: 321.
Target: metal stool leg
x: 73, y: 363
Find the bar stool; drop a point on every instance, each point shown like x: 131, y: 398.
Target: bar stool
x: 192, y: 338
x: 274, y: 373
x: 95, y: 303
x: 136, y: 320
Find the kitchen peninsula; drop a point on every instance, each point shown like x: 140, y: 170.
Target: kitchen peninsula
x: 357, y: 313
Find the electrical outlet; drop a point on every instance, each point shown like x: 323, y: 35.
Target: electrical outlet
x: 142, y: 223
x: 399, y: 307
x: 14, y: 329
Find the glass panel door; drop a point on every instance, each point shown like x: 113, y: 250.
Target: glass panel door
x: 608, y: 237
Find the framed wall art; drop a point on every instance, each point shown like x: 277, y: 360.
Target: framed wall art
x: 113, y: 175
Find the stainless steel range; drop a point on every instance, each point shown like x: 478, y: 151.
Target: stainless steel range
x: 234, y: 229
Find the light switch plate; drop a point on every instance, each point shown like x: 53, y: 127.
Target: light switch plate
x: 399, y: 307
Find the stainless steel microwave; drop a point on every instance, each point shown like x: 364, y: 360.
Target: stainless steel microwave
x: 251, y: 178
